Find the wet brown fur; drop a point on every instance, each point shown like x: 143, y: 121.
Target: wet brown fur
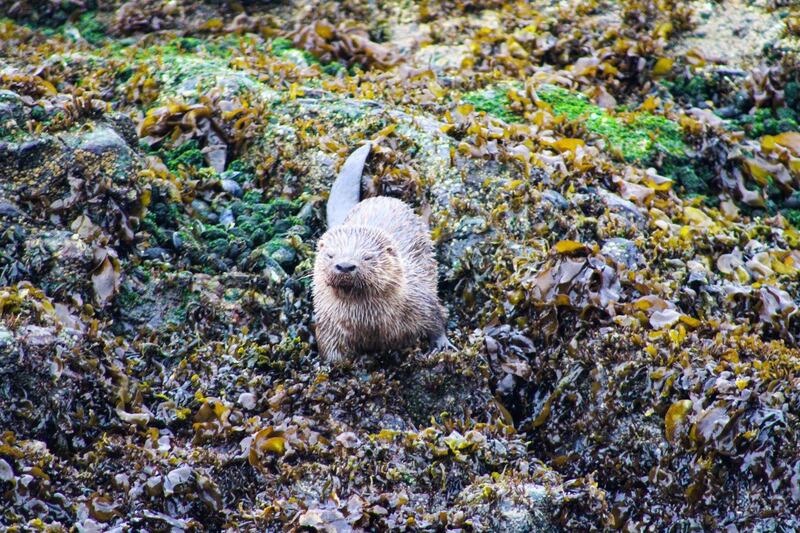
x: 390, y: 300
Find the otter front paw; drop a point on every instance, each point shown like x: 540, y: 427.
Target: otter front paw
x: 440, y: 343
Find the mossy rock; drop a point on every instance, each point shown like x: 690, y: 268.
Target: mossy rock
x: 494, y: 101
x: 765, y: 121
x: 284, y: 48
x: 635, y: 137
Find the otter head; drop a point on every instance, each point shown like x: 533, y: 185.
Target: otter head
x: 359, y: 260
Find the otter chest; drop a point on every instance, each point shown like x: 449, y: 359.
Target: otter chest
x: 375, y: 325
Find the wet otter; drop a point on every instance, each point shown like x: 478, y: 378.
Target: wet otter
x: 375, y: 274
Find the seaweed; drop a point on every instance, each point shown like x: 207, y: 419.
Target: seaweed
x: 616, y: 220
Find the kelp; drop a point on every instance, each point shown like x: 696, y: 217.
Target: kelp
x: 348, y: 45
x: 616, y: 226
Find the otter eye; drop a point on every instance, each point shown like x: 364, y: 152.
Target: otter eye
x: 329, y: 255
x: 369, y: 257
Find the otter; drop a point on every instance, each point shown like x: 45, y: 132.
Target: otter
x: 375, y: 285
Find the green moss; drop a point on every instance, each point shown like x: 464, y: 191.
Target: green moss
x: 793, y: 216
x: 791, y: 95
x: 178, y: 315
x: 239, y: 165
x: 276, y: 244
x: 91, y: 29
x: 696, y: 88
x: 38, y: 113
x: 695, y: 180
x: 494, y: 101
x: 635, y: 137
x: 180, y: 57
x: 280, y: 45
x: 211, y: 248
x: 188, y: 44
x: 765, y: 121
x: 251, y: 197
x: 572, y: 105
x: 333, y: 68
x: 186, y: 155
x: 127, y: 298
x: 150, y: 225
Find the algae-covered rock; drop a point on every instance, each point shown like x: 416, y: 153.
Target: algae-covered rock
x: 88, y: 170
x: 613, y: 213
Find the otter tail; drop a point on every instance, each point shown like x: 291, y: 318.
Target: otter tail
x: 346, y: 190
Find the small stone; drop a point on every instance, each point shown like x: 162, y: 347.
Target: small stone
x: 8, y: 209
x: 555, y: 198
x: 231, y: 187
x: 284, y: 256
x: 6, y: 472
x: 247, y: 400
x: 11, y: 109
x: 154, y: 253
x: 177, y: 241
x: 348, y: 440
x: 622, y: 251
x: 227, y: 219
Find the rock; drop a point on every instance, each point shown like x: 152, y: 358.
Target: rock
x: 231, y: 187
x: 732, y: 34
x: 442, y: 58
x: 8, y: 209
x: 622, y: 251
x: 154, y: 253
x: 516, y: 506
x: 226, y: 218
x: 51, y: 382
x: 625, y: 208
x: 247, y: 400
x: 555, y: 198
x: 203, y: 211
x: 37, y: 337
x: 90, y: 170
x: 12, y: 111
x: 284, y: 256
x: 470, y: 233
x: 793, y: 202
x: 6, y: 337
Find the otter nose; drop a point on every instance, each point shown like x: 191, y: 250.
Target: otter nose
x: 345, y: 267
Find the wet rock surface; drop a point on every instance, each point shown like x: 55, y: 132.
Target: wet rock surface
x: 615, y: 220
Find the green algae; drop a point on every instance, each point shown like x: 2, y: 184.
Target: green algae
x: 793, y: 216
x: 765, y: 121
x: 252, y: 233
x: 282, y: 47
x: 127, y: 298
x: 695, y: 87
x: 494, y: 101
x: 695, y: 180
x: 184, y: 156
x: 635, y: 137
x: 91, y: 29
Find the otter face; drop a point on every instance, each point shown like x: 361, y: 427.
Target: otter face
x: 356, y: 260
